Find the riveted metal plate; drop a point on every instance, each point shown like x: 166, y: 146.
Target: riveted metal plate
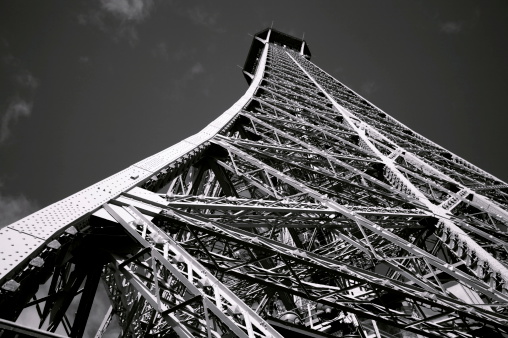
x: 74, y: 210
x: 45, y: 222
x: 15, y: 248
x: 156, y: 162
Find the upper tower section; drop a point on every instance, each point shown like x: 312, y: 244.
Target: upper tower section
x: 271, y: 35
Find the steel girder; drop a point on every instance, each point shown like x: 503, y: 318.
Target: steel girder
x: 302, y: 210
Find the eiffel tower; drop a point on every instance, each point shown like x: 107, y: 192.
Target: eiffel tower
x: 301, y: 211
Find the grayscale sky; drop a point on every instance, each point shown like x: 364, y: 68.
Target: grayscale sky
x: 89, y: 87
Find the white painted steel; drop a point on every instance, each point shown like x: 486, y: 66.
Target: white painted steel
x: 456, y: 158
x: 15, y: 248
x: 46, y: 223
x: 219, y: 289
x: 437, y: 210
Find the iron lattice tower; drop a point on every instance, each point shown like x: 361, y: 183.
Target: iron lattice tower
x: 302, y: 211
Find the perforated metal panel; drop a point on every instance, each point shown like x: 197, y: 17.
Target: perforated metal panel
x: 44, y: 223
x: 158, y: 161
x: 347, y: 208
x: 15, y: 248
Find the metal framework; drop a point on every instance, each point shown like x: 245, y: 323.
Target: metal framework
x: 302, y: 211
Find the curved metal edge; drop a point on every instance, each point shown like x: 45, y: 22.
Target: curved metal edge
x: 48, y: 223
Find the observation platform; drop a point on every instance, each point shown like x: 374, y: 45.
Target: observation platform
x: 277, y: 38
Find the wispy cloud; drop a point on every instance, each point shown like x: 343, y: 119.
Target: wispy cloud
x: 368, y: 87
x: 13, y: 208
x: 176, y: 86
x: 182, y: 53
x: 202, y: 16
x: 20, y: 102
x: 131, y: 10
x: 175, y: 53
x: 84, y: 59
x: 161, y: 51
x: 27, y: 80
x: 195, y: 70
x: 451, y: 27
x: 118, y: 18
x: 199, y: 15
x: 17, y: 108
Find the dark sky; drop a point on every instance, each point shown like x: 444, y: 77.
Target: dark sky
x: 88, y: 88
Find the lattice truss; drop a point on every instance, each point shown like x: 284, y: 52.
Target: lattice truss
x: 310, y: 213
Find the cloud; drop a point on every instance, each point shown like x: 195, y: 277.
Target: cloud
x: 27, y: 80
x: 176, y: 86
x: 93, y: 18
x: 183, y: 53
x: 196, y: 69
x: 161, y: 51
x: 451, y: 27
x: 175, y: 53
x: 201, y: 16
x: 368, y: 87
x: 19, y: 101
x: 127, y: 32
x: 132, y: 10
x: 13, y: 208
x: 17, y: 108
x: 84, y: 59
x: 118, y: 18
